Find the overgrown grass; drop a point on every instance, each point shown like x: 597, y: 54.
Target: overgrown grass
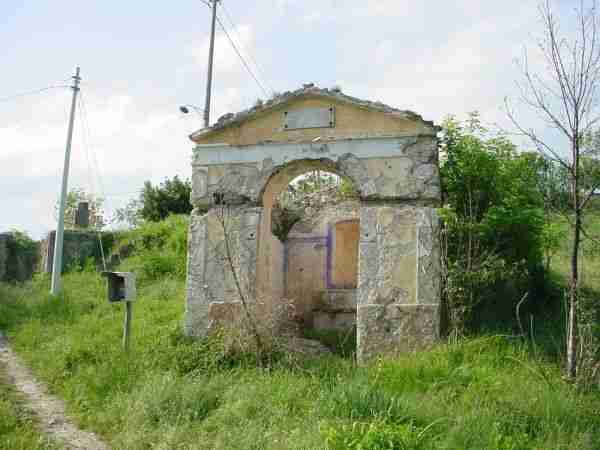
x: 489, y: 392
x: 18, y: 429
x: 160, y: 249
x: 170, y: 392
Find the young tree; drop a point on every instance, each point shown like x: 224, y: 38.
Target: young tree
x: 129, y: 215
x: 566, y: 94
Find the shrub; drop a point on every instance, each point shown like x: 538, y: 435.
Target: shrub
x: 159, y: 249
x: 171, y: 197
x: 493, y: 221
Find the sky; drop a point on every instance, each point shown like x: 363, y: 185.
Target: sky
x: 141, y: 60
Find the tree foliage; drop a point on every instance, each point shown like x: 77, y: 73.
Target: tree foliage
x: 170, y: 197
x: 493, y: 216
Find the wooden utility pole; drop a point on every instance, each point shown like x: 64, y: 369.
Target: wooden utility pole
x: 60, y: 227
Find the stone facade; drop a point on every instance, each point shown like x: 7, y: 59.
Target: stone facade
x: 392, y: 168
x: 389, y: 156
x: 399, y: 279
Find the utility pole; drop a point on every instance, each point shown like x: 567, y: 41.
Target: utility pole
x: 210, y: 64
x: 60, y: 228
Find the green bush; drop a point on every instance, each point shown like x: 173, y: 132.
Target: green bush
x: 493, y: 219
x: 159, y: 249
x: 170, y: 197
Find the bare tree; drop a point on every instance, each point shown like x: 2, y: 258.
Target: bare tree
x: 565, y: 95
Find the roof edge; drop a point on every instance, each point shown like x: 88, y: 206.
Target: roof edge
x: 307, y: 91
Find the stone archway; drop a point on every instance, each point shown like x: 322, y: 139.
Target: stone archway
x: 271, y: 251
x: 395, y: 173
x: 298, y: 267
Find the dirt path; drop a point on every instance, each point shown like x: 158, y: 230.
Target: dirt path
x: 49, y: 410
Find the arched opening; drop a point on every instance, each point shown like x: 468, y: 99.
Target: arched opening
x: 308, y: 244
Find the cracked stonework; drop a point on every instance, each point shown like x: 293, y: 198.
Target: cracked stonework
x: 387, y: 157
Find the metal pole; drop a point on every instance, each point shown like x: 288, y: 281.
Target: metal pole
x: 210, y: 65
x: 127, y: 325
x: 60, y: 228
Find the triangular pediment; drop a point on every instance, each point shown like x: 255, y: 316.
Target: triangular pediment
x: 309, y: 113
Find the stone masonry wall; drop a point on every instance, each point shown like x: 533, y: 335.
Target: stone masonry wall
x: 398, y: 286
x: 78, y: 247
x: 216, y: 238
x: 16, y: 264
x: 394, y: 170
x: 409, y: 171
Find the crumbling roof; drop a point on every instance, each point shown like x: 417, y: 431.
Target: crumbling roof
x: 307, y: 91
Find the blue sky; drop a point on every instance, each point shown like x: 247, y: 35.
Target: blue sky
x: 141, y: 60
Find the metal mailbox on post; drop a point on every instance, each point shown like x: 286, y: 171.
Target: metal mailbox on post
x: 121, y: 288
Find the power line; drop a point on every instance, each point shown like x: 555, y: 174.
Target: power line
x: 94, y: 160
x: 242, y: 58
x: 244, y: 62
x: 35, y: 91
x: 235, y: 29
x: 86, y: 146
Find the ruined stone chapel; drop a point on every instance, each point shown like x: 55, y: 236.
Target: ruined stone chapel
x: 372, y: 263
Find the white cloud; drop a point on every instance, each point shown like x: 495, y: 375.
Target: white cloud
x: 431, y: 56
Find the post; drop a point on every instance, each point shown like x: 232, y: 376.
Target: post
x: 210, y: 65
x: 60, y: 228
x: 127, y: 325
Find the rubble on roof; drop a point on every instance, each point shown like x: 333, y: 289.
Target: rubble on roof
x: 311, y: 90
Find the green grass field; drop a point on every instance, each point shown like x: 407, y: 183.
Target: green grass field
x: 486, y: 392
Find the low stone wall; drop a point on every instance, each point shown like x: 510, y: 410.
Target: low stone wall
x: 16, y: 264
x: 79, y: 246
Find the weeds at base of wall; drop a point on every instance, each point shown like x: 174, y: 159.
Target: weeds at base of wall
x: 231, y: 338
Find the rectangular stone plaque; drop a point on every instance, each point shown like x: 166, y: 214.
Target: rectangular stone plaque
x: 299, y: 119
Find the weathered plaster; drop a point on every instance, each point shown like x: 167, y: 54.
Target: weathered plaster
x: 210, y: 278
x: 353, y: 118
x: 391, y: 159
x: 383, y: 168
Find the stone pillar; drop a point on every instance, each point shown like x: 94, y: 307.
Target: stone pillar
x: 212, y: 294
x: 399, y: 280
